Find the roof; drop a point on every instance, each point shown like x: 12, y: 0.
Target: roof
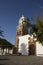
x: 4, y: 43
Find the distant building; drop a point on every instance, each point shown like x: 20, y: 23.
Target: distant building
x: 5, y: 47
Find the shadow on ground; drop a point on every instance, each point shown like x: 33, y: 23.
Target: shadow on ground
x: 3, y: 59
x: 2, y: 64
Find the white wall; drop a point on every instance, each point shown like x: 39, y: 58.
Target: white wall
x: 6, y: 50
x: 39, y: 49
x: 0, y: 51
x: 11, y: 51
x: 23, y: 45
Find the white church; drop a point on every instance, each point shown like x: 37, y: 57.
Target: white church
x: 27, y: 44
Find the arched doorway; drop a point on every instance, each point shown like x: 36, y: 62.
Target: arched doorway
x: 31, y: 49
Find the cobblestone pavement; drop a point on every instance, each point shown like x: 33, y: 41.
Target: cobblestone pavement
x: 20, y: 60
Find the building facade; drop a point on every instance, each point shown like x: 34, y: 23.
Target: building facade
x: 27, y: 45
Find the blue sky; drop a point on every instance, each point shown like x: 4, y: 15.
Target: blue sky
x: 12, y: 10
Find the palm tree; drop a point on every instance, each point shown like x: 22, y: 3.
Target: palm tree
x: 38, y: 29
x: 1, y: 32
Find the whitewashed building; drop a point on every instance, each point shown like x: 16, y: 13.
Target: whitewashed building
x: 6, y: 51
x: 25, y: 43
x: 5, y: 47
x: 29, y: 46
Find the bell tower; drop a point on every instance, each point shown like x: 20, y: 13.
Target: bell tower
x: 21, y: 29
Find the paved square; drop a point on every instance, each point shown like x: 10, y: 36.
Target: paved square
x: 20, y: 60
